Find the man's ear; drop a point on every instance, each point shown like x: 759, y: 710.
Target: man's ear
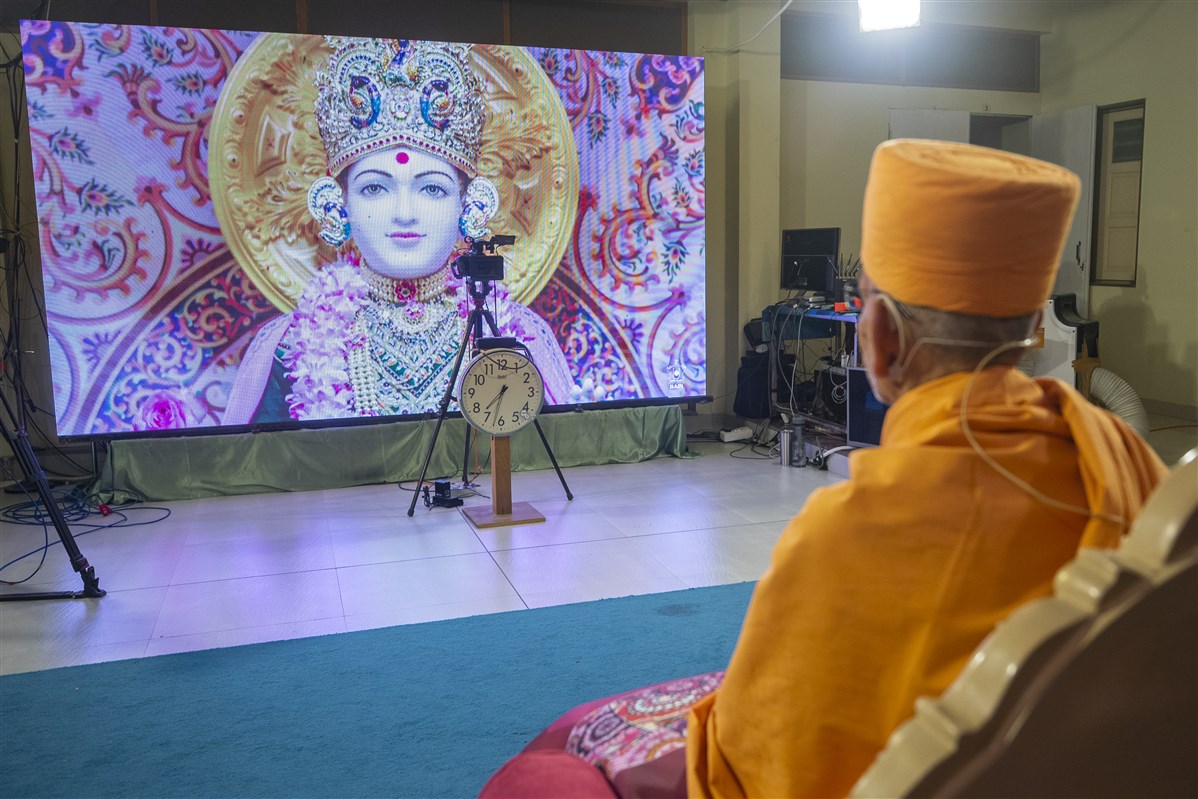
x: 879, y: 340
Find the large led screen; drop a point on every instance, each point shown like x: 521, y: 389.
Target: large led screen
x: 259, y: 229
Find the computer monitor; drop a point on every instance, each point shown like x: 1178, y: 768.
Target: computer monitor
x: 809, y: 257
x: 865, y: 412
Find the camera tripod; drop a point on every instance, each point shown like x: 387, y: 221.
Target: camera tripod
x: 18, y: 442
x: 479, y: 315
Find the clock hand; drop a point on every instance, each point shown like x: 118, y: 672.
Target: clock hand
x: 498, y: 396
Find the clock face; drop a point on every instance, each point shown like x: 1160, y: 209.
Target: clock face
x: 501, y: 392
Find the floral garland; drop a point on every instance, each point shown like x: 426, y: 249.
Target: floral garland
x: 323, y: 333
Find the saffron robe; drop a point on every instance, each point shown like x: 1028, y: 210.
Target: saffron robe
x: 882, y: 587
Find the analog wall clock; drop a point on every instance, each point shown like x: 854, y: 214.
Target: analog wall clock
x: 501, y: 391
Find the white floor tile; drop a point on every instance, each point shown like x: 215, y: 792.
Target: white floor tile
x: 587, y: 593
x: 618, y: 565
x: 392, y: 616
x: 417, y: 583
x: 117, y: 617
x: 209, y: 529
x: 65, y: 653
x: 361, y: 541
x: 248, y: 602
x: 714, y: 557
x: 253, y: 557
x: 671, y: 515
x: 123, y: 558
x: 760, y: 506
x: 234, y: 570
x: 564, y: 523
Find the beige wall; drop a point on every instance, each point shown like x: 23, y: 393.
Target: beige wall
x: 830, y: 130
x: 1092, y: 53
x: 1106, y: 53
x: 783, y: 153
x: 743, y: 151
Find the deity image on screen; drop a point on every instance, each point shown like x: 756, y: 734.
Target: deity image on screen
x: 245, y: 228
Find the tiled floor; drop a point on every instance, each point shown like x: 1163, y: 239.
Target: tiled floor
x: 236, y: 570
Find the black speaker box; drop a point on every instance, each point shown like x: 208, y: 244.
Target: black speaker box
x: 753, y: 387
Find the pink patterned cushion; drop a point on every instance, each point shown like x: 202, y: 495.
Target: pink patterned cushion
x: 549, y: 773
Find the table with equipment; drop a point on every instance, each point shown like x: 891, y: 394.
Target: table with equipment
x: 805, y: 383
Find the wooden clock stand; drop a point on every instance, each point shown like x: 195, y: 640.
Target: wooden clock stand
x: 502, y: 511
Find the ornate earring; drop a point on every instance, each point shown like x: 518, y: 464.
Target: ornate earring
x: 481, y: 203
x: 326, y: 203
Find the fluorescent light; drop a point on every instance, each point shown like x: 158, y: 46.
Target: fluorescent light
x: 880, y: 15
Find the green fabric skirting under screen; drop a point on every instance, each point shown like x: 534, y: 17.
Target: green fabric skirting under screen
x: 190, y: 467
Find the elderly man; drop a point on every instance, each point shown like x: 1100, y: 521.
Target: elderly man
x: 986, y: 483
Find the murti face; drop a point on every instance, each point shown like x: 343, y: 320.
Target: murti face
x: 403, y: 206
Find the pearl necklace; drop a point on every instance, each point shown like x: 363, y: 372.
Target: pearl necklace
x: 406, y: 357
x: 406, y: 290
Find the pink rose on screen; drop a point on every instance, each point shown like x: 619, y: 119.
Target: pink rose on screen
x: 161, y: 411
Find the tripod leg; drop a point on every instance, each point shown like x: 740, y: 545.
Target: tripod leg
x: 443, y: 408
x: 427, y: 458
x: 466, y: 457
x: 490, y: 320
x: 19, y: 443
x: 553, y: 460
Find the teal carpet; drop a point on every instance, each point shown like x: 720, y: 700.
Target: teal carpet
x: 425, y: 710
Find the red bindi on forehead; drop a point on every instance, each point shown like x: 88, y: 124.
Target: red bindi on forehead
x: 401, y: 157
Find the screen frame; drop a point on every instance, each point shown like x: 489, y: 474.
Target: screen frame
x: 360, y: 421
x: 861, y: 421
x: 687, y: 399
x: 811, y: 254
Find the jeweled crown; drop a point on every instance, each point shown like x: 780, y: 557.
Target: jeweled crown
x: 380, y: 93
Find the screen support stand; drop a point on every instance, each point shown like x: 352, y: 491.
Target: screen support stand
x: 474, y: 331
x: 18, y: 442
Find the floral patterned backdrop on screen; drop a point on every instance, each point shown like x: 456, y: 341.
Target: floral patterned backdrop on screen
x: 149, y: 312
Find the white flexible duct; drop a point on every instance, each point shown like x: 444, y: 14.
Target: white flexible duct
x: 1109, y: 390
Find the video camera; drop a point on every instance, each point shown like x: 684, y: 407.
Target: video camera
x: 481, y: 263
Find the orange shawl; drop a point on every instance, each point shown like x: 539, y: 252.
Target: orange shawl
x: 882, y: 587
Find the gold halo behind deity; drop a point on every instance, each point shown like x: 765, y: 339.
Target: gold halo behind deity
x: 265, y: 151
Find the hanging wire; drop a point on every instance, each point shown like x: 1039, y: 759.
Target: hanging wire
x: 736, y: 48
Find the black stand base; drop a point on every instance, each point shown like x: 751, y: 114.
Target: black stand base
x: 91, y: 589
x: 19, y: 443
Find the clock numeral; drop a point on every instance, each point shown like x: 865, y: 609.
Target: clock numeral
x: 499, y: 420
x: 526, y: 409
x: 479, y: 380
x: 477, y: 407
x: 470, y: 391
x: 527, y: 377
x: 487, y: 417
x: 532, y: 392
x: 503, y: 363
x: 516, y: 416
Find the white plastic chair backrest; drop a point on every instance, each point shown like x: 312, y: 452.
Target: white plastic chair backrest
x: 1091, y: 692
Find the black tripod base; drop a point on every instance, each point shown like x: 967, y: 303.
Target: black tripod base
x: 91, y: 590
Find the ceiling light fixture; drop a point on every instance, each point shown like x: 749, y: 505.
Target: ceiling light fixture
x: 880, y: 15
